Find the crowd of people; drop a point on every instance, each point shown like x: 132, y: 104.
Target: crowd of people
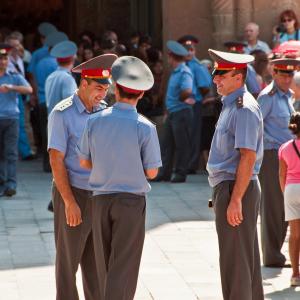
x: 199, y: 127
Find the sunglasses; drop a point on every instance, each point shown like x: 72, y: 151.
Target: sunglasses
x: 287, y: 20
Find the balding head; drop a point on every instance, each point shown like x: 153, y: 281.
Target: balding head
x: 251, y: 32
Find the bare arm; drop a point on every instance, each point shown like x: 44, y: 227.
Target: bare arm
x: 282, y: 174
x: 86, y: 164
x: 21, y: 89
x: 187, y: 97
x: 60, y: 175
x: 243, y: 177
x: 151, y: 173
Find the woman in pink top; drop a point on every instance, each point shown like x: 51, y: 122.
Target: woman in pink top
x: 289, y: 177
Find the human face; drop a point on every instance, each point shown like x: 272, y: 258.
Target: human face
x: 227, y: 83
x: 3, y: 63
x: 289, y: 23
x: 88, y: 54
x: 283, y: 80
x: 94, y: 92
x: 251, y: 32
x: 192, y: 52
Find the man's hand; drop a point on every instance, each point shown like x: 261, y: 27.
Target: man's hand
x: 190, y: 101
x: 234, y: 212
x: 73, y: 214
x: 33, y: 100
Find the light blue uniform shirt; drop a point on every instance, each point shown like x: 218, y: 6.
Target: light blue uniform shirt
x: 260, y: 45
x: 181, y: 79
x: 37, y: 55
x: 64, y: 130
x: 276, y: 107
x: 59, y: 85
x: 251, y: 81
x: 44, y: 68
x: 9, y: 101
x: 202, y: 78
x: 121, y: 144
x: 237, y: 127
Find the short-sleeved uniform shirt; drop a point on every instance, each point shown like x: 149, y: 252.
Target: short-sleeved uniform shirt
x: 64, y: 130
x: 260, y: 45
x: 239, y: 126
x: 37, y: 55
x: 251, y: 81
x: 44, y: 68
x: 9, y: 101
x: 276, y: 107
x: 287, y: 153
x: 202, y: 78
x: 181, y: 79
x: 121, y: 144
x: 59, y: 85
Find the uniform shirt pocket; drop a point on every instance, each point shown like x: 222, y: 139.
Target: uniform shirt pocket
x: 282, y: 120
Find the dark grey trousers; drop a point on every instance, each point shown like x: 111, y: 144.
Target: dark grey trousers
x: 273, y: 225
x: 74, y: 246
x: 176, y: 142
x: 119, y: 232
x: 239, y: 255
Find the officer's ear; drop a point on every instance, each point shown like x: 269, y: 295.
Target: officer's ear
x: 84, y: 83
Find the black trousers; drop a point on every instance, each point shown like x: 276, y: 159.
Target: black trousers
x: 197, y: 137
x: 43, y: 115
x: 118, y: 233
x: 176, y: 142
x: 239, y: 254
x: 74, y: 246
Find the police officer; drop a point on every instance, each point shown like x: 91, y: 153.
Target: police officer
x: 251, y: 80
x: 122, y: 148
x: 44, y: 29
x: 276, y: 105
x: 11, y: 85
x: 234, y: 161
x: 61, y: 84
x: 201, y: 84
x: 44, y: 68
x: 179, y: 103
x: 71, y: 191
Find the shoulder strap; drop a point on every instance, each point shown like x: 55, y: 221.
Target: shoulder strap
x: 296, y: 149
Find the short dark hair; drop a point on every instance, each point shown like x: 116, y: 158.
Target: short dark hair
x: 241, y: 71
x: 127, y: 95
x: 294, y: 125
x: 176, y: 57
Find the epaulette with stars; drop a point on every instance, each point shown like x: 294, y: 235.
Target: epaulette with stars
x: 273, y: 91
x: 62, y: 105
x: 239, y: 102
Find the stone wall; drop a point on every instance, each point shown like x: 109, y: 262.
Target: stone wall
x: 216, y: 21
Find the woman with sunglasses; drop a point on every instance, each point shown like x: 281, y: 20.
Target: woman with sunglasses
x: 288, y: 28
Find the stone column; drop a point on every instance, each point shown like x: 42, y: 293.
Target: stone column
x: 244, y: 15
x: 222, y: 12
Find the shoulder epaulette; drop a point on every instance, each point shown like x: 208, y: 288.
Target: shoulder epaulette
x: 273, y: 91
x: 239, y: 102
x: 148, y: 119
x: 12, y: 72
x: 62, y: 105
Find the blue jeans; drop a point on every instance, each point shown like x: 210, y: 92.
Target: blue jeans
x: 9, y: 133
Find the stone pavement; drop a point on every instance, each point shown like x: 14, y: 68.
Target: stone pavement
x: 180, y: 258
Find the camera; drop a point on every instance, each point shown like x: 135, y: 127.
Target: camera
x: 280, y: 28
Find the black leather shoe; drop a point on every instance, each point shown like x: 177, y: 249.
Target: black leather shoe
x: 30, y: 157
x: 159, y: 178
x: 9, y: 192
x: 50, y: 206
x: 278, y: 266
x: 177, y: 178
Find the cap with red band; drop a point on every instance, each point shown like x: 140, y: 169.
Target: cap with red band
x: 286, y: 65
x: 227, y: 61
x: 235, y: 47
x: 97, y: 68
x: 132, y: 75
x: 4, y: 49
